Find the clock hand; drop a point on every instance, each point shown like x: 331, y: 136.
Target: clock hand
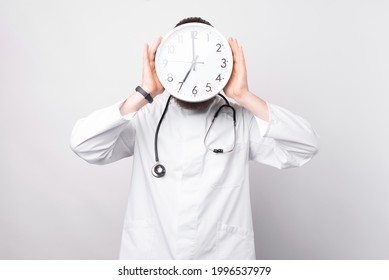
x: 190, y: 69
x: 193, y: 50
x: 183, y: 61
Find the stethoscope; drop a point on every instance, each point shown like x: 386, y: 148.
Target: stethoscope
x: 158, y: 170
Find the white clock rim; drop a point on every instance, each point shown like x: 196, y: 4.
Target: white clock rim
x: 212, y: 29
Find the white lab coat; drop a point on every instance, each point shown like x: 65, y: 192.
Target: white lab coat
x: 201, y: 208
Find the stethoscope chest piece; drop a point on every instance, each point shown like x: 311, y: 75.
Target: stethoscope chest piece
x: 158, y: 170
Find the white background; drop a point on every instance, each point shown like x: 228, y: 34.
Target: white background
x: 327, y: 61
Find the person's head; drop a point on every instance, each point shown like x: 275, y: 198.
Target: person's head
x: 189, y: 105
x: 192, y: 19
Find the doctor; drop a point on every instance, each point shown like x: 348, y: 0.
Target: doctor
x: 201, y: 208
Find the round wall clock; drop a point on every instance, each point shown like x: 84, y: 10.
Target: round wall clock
x: 194, y: 62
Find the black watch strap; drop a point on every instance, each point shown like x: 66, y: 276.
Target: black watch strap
x: 145, y: 94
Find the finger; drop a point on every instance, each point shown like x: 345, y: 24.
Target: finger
x: 146, y: 61
x: 242, y: 56
x: 154, y: 48
x: 237, y: 50
x: 233, y: 49
x: 231, y: 42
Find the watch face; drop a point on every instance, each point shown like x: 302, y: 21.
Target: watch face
x: 194, y: 62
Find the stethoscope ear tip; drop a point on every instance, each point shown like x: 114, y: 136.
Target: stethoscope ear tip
x: 158, y: 170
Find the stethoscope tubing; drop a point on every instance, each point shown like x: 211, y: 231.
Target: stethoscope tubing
x: 158, y: 170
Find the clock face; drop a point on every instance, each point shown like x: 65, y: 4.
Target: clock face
x: 194, y: 62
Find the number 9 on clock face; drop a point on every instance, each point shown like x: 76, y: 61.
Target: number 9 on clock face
x: 194, y: 62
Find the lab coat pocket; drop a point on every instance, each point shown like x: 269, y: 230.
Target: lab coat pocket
x: 224, y: 169
x: 138, y: 238
x: 234, y: 242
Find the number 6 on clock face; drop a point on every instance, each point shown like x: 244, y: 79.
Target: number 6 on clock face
x: 194, y: 62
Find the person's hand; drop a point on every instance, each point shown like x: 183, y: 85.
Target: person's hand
x: 150, y: 81
x: 237, y: 86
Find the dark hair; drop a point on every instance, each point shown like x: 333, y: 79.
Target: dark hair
x: 192, y: 19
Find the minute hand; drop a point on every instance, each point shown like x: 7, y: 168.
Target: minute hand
x: 193, y: 49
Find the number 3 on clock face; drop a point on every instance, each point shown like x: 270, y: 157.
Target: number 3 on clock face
x: 194, y: 62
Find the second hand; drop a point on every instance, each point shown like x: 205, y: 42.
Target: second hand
x: 183, y: 61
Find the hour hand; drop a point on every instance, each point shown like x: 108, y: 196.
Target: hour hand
x: 190, y: 69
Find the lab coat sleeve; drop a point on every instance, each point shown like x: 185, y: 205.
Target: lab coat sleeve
x: 287, y: 140
x: 104, y: 136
